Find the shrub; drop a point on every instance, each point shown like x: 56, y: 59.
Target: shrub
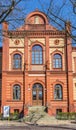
x: 12, y: 116
x: 66, y: 116
x: 15, y: 116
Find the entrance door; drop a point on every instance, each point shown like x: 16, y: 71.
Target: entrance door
x: 37, y: 94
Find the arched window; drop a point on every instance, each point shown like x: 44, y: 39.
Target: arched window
x: 36, y: 54
x: 58, y: 91
x: 16, y: 92
x: 17, y: 61
x: 57, y: 61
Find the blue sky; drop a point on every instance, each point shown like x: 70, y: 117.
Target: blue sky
x: 66, y: 11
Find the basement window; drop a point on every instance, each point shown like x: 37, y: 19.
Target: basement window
x: 16, y: 110
x: 58, y: 110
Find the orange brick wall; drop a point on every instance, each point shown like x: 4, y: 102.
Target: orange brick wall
x: 43, y: 74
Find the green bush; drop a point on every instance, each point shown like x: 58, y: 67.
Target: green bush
x: 15, y: 116
x: 12, y: 116
x: 66, y: 116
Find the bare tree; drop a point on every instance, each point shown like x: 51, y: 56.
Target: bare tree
x: 58, y: 12
x: 74, y: 5
x: 11, y: 12
x: 62, y: 11
x: 6, y: 7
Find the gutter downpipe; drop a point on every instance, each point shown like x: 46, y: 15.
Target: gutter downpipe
x: 68, y: 110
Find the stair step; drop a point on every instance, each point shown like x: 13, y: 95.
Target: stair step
x: 37, y: 108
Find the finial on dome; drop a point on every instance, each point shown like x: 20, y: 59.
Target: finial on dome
x: 36, y: 9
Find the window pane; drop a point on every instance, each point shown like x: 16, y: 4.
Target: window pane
x: 37, y: 54
x: 36, y: 61
x: 40, y: 95
x: 17, y: 61
x: 16, y: 92
x: 57, y: 61
x: 58, y: 92
x: 34, y: 95
x: 41, y: 61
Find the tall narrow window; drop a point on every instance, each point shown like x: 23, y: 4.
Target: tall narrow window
x: 36, y: 20
x: 17, y: 61
x: 57, y: 61
x: 16, y: 92
x: 58, y: 91
x: 37, y: 54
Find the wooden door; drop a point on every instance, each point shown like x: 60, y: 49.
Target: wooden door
x: 37, y: 94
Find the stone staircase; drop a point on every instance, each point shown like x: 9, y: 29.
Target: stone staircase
x: 35, y: 114
x: 37, y: 109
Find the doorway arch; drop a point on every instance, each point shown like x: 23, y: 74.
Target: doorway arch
x: 37, y: 94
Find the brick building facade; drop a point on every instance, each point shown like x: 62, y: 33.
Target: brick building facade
x: 38, y: 66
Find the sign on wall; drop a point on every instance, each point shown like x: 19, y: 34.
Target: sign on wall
x: 6, y: 110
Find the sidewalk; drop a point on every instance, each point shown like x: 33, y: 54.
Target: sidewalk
x: 12, y: 123
x: 46, y: 121
x: 52, y: 121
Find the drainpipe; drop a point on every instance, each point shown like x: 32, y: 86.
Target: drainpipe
x: 24, y: 89
x: 67, y: 30
x: 45, y: 85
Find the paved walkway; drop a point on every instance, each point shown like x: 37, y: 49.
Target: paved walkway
x: 49, y: 120
x: 41, y: 122
x: 45, y: 121
x: 12, y: 123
